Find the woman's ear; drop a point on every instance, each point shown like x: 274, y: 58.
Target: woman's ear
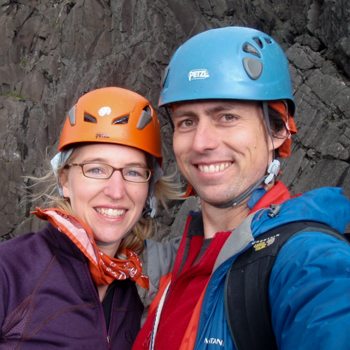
x: 64, y: 183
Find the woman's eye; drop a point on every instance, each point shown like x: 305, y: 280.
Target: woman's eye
x: 136, y: 174
x: 133, y: 173
x: 95, y: 170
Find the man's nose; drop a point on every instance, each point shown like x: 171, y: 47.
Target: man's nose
x: 206, y: 136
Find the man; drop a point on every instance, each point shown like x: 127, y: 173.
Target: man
x: 229, y: 95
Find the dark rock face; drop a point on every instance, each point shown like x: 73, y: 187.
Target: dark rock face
x: 52, y: 51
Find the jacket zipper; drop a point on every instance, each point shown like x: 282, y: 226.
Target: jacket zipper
x: 101, y: 313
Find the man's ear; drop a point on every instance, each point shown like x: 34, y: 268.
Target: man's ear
x: 279, y: 137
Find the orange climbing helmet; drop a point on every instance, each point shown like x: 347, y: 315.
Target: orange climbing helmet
x: 113, y: 115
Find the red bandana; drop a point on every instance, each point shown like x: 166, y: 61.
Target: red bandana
x: 103, y: 268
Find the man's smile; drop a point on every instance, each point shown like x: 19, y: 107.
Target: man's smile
x: 213, y: 168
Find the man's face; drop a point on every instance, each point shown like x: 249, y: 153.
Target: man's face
x: 220, y: 146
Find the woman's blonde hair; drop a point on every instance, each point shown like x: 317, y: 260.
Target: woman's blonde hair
x: 46, y: 191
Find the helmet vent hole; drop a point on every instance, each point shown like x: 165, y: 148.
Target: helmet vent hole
x: 148, y: 110
x: 268, y: 40
x: 121, y: 120
x: 71, y: 116
x: 253, y: 67
x: 89, y: 118
x: 145, y: 118
x: 249, y: 48
x: 259, y: 42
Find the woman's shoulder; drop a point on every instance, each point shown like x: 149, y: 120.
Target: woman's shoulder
x: 26, y: 245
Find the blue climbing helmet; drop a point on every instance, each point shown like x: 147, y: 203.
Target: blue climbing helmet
x: 228, y: 63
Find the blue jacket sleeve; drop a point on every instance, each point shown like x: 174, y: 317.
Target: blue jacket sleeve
x: 309, y: 293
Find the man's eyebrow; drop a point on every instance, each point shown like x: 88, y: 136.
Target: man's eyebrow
x: 220, y: 108
x: 184, y: 112
x: 208, y: 110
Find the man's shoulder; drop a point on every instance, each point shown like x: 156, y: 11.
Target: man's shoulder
x: 327, y: 205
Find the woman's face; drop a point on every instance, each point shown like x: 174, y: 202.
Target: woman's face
x: 110, y: 207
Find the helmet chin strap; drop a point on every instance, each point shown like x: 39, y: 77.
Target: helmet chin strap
x: 272, y: 171
x: 240, y: 198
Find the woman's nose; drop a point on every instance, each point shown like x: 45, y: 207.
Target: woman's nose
x: 115, y: 185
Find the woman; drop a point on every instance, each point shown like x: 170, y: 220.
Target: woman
x: 72, y: 285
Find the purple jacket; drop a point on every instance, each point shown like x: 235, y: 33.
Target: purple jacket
x: 49, y: 301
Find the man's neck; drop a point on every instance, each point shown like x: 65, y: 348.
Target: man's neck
x: 218, y: 220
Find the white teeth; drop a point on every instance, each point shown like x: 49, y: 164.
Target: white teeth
x: 213, y: 168
x: 111, y: 212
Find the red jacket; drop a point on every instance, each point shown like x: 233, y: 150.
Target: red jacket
x: 189, y: 278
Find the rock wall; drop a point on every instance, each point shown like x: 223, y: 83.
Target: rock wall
x: 52, y: 51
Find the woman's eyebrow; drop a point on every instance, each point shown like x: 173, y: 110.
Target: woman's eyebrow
x: 105, y: 161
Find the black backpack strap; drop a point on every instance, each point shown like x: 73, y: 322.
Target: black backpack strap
x: 247, y: 283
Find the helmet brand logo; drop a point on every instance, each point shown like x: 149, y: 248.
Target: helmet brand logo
x: 103, y: 111
x: 102, y: 136
x: 196, y: 74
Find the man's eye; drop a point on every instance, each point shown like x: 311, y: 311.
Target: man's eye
x: 229, y: 117
x: 185, y: 123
